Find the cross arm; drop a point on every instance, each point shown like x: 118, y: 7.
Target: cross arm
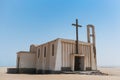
x: 76, y: 25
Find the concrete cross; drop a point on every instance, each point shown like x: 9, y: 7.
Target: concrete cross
x: 77, y: 25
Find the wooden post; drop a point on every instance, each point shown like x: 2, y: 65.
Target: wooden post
x: 77, y: 41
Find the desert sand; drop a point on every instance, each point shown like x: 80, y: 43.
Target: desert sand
x: 114, y: 74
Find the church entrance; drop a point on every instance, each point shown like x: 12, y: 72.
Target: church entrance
x: 79, y: 63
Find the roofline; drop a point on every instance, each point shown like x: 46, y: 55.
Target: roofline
x: 61, y: 39
x: 22, y: 52
x: 49, y: 42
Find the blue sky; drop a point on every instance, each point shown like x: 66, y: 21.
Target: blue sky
x: 25, y: 22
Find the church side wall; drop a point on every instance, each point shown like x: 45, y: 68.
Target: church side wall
x: 47, y: 62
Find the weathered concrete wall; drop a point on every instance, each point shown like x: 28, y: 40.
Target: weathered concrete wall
x: 26, y: 60
x: 48, y: 62
x: 85, y: 49
x: 58, y: 61
x: 87, y: 53
x: 93, y: 60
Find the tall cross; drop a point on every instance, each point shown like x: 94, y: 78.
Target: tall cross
x: 76, y: 25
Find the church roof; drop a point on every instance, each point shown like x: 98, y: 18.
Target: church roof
x: 64, y: 40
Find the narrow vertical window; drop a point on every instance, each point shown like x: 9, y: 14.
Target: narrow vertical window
x: 44, y: 51
x: 52, y: 49
x: 38, y: 53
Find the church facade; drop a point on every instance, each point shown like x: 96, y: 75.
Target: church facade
x: 59, y: 55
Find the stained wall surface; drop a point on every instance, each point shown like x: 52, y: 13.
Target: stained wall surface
x: 26, y: 60
x: 46, y: 56
x: 85, y: 50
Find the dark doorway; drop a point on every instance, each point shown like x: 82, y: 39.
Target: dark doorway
x: 79, y: 63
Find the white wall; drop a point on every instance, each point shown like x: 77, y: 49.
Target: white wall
x: 58, y: 61
x: 27, y: 60
x: 86, y: 49
x: 48, y: 62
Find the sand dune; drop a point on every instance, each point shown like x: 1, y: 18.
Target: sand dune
x: 114, y: 74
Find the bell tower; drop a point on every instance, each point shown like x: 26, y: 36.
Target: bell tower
x: 91, y: 34
x: 91, y: 39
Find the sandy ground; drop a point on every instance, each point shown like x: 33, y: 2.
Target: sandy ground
x: 114, y: 75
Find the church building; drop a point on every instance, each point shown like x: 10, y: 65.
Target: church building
x: 59, y: 55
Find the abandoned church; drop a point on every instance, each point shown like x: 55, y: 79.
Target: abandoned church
x: 60, y: 55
